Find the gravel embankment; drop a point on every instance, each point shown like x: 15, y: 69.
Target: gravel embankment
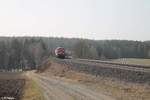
x: 125, y: 73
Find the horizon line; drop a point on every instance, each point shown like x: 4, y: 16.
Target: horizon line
x: 19, y: 36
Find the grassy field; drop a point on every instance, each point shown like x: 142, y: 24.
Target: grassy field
x: 32, y: 91
x: 133, y: 61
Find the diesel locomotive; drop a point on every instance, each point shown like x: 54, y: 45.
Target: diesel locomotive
x: 60, y: 52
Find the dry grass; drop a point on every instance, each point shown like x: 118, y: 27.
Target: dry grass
x: 12, y: 75
x: 32, y: 91
x: 133, y: 61
x: 119, y: 90
x: 44, y: 66
x: 109, y: 86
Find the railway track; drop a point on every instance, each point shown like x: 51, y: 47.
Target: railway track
x: 113, y: 63
x: 126, y: 72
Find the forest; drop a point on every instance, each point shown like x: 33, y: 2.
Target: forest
x: 29, y: 52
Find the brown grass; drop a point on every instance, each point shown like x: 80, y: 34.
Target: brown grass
x: 43, y: 67
x: 12, y: 75
x: 118, y: 89
x: 133, y: 61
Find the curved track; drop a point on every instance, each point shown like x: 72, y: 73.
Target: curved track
x: 126, y: 72
x: 113, y: 63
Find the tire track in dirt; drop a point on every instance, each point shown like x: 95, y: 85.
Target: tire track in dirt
x: 58, y: 89
x: 51, y: 92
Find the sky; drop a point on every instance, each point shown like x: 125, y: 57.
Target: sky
x: 92, y: 19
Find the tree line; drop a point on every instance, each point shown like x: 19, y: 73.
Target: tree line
x: 29, y: 52
x: 112, y: 49
x: 16, y: 53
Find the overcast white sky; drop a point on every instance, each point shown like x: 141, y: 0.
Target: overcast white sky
x: 94, y: 19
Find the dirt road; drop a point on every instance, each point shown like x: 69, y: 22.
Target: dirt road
x: 55, y: 88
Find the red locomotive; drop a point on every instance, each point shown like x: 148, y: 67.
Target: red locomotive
x: 60, y: 52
